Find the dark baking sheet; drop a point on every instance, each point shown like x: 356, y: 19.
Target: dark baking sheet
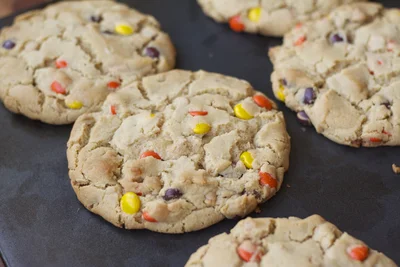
x: 43, y: 224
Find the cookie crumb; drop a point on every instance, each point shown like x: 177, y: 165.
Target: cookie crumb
x: 258, y: 210
x: 396, y: 169
x: 288, y: 185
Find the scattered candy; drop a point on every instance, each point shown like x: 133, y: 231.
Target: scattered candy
x: 113, y: 110
x: 375, y: 140
x: 380, y: 62
x: 236, y: 24
x: 201, y: 128
x: 8, y: 44
x: 150, y: 153
x: 280, y: 94
x: 56, y: 87
x: 75, y: 105
x: 148, y: 218
x: 152, y: 115
x: 358, y: 253
x: 60, y: 64
x: 241, y: 113
x: 249, y: 252
x: 387, y: 133
x: 130, y: 203
x: 262, y: 102
x: 267, y: 179
x: 124, y: 29
x: 247, y: 159
x: 172, y: 193
x: 336, y: 38
x: 254, y: 14
x: 198, y: 113
x: 303, y: 118
x: 152, y: 52
x: 113, y: 85
x: 309, y: 96
x: 299, y: 25
x: 96, y: 19
x: 300, y: 40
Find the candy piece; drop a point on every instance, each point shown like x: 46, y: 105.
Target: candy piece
x: 113, y: 110
x: 358, y: 252
x: 75, y: 105
x: 380, y: 62
x: 201, y: 128
x: 300, y: 40
x: 309, y: 96
x: 249, y: 252
x: 254, y: 14
x: 56, y: 87
x: 241, y: 113
x: 113, y: 85
x: 130, y: 203
x: 391, y: 45
x: 236, y: 24
x: 375, y: 140
x: 262, y: 101
x: 152, y: 52
x: 152, y: 115
x: 280, y: 95
x: 336, y: 38
x: 148, y: 218
x: 172, y: 193
x: 96, y: 18
x: 60, y: 64
x: 124, y: 29
x: 267, y: 179
x: 198, y: 113
x: 150, y: 153
x: 303, y: 118
x: 247, y: 159
x: 299, y: 25
x: 8, y: 44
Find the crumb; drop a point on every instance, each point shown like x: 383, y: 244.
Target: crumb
x: 258, y: 210
x: 288, y: 185
x: 396, y: 169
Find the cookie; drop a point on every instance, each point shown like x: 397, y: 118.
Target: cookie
x: 341, y: 74
x: 267, y: 17
x: 286, y: 242
x: 62, y: 61
x: 396, y: 169
x: 179, y: 151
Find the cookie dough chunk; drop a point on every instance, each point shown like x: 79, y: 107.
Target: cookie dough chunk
x: 63, y: 61
x: 179, y: 151
x: 268, y: 17
x: 286, y: 242
x: 342, y: 74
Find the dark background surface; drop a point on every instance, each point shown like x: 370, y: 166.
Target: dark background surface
x: 43, y: 224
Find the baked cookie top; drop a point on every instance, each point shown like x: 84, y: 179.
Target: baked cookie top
x: 342, y: 74
x: 268, y: 17
x: 62, y: 61
x: 179, y: 151
x: 286, y: 242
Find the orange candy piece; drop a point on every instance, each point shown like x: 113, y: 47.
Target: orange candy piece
x: 198, y: 113
x: 262, y: 102
x: 246, y: 255
x: 359, y: 253
x: 60, y: 64
x: 148, y: 218
x: 113, y: 85
x: 300, y: 41
x: 375, y: 140
x: 150, y: 153
x: 236, y: 24
x: 56, y: 87
x: 267, y: 179
x: 113, y: 109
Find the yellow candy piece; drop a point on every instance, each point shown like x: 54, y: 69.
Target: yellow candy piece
x: 241, y: 113
x: 254, y: 14
x: 152, y: 115
x: 280, y: 95
x: 247, y: 159
x: 75, y: 105
x: 124, y: 29
x: 202, y: 128
x: 130, y: 203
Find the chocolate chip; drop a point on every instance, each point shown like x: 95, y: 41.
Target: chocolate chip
x: 336, y: 38
x: 309, y: 96
x: 152, y: 52
x: 303, y: 118
x: 8, y: 44
x: 96, y: 19
x: 172, y: 193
